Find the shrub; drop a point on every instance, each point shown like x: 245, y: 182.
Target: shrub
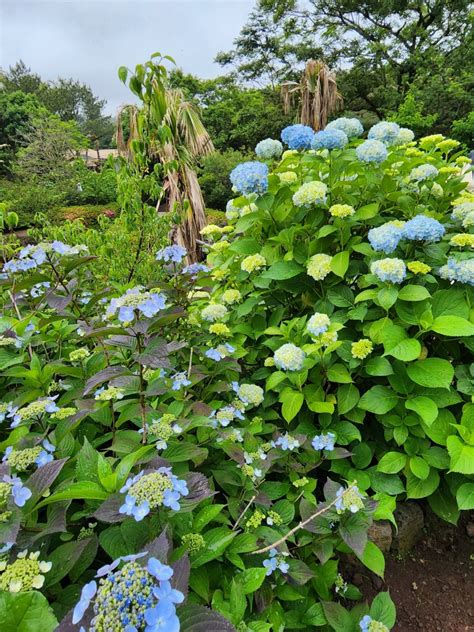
x: 214, y: 176
x: 235, y: 428
x: 88, y: 213
x: 93, y: 187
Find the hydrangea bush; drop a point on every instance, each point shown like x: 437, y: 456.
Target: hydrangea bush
x: 202, y: 453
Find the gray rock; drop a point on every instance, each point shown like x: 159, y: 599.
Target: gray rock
x: 410, y: 522
x: 380, y: 533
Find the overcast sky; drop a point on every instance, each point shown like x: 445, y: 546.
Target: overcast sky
x: 89, y: 39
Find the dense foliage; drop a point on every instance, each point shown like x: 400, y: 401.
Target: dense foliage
x: 222, y: 434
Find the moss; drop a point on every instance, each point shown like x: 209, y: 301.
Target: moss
x: 216, y: 217
x: 87, y: 213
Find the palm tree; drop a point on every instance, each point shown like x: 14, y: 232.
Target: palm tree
x: 317, y: 94
x: 170, y: 132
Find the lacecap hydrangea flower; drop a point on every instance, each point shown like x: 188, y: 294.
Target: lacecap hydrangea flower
x: 132, y: 598
x: 289, y: 357
x: 423, y: 228
x: 324, y: 441
x: 268, y: 149
x: 286, y: 442
x: 318, y: 324
x: 423, y: 172
x: 392, y: 270
x: 319, y: 266
x: 329, y: 139
x: 351, y: 127
x: 24, y: 574
x: 372, y: 151
x: 220, y: 352
x: 135, y: 303
x: 275, y: 561
x: 460, y: 271
x: 310, y: 193
x: 33, y: 256
x: 250, y: 177
x: 297, y: 136
x: 13, y: 486
x: 349, y: 499
x: 171, y: 254
x: 385, y: 238
x: 253, y: 262
x: 147, y: 491
x: 367, y: 624
x: 385, y: 131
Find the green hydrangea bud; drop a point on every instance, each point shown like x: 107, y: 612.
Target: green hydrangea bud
x: 194, y: 542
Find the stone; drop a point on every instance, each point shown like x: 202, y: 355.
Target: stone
x: 470, y: 529
x: 410, y: 522
x: 380, y: 533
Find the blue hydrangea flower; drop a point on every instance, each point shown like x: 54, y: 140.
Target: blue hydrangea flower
x: 324, y: 442
x: 367, y: 624
x: 220, y: 352
x: 297, y: 136
x: 179, y: 380
x: 385, y: 132
x: 286, y: 442
x: 165, y: 592
x: 461, y: 271
x: 385, y: 238
x: 423, y: 172
x: 20, y: 493
x: 274, y: 562
x: 162, y: 618
x: 393, y: 270
x: 152, y: 305
x: 194, y: 268
x: 329, y: 139
x: 161, y: 571
x: 87, y: 594
x: 351, y: 127
x: 423, y: 228
x: 171, y: 254
x: 46, y: 455
x: 372, y: 151
x: 268, y: 149
x: 250, y: 177
x: 130, y: 508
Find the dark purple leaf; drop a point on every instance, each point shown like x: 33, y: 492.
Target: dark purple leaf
x: 57, y: 301
x: 108, y: 511
x: 66, y: 624
x: 299, y: 572
x: 200, y: 408
x: 180, y: 579
x: 199, y: 489
x: 43, y: 478
x: 330, y: 489
x: 56, y: 524
x: 353, y: 530
x: 104, y: 376
x: 320, y: 524
x: 160, y: 547
x: 9, y: 529
x: 195, y: 618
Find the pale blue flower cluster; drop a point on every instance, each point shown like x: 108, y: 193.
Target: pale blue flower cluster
x: 423, y: 172
x: 405, y: 135
x: 423, y: 228
x: 393, y: 270
x: 274, y: 562
x: 329, y: 139
x: 372, y: 151
x: 286, y: 442
x: 351, y: 127
x: 45, y: 404
x: 226, y: 414
x: 460, y: 271
x: 194, y: 269
x: 269, y: 149
x: 289, y: 357
x: 349, y: 498
x: 220, y: 352
x: 324, y: 441
x: 179, y: 380
x: 318, y: 324
x: 385, y: 131
x: 153, y: 490
x: 297, y: 136
x: 39, y: 289
x: 133, y: 598
x: 33, y: 256
x: 367, y: 624
x: 250, y: 177
x: 19, y: 492
x: 46, y: 455
x: 171, y: 254
x: 385, y: 238
x: 135, y: 303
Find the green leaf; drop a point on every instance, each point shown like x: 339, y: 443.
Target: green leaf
x: 251, y: 579
x: 431, y: 373
x: 217, y: 540
x: 26, y: 612
x: 392, y: 463
x: 75, y: 491
x: 123, y: 73
x: 462, y: 456
x: 417, y: 488
x: 387, y: 297
x: 379, y: 400
x: 205, y: 516
x: 340, y: 263
x: 423, y: 406
x: 339, y: 373
x: 406, y: 350
x: 337, y: 616
x: 465, y: 496
x: 282, y: 270
x: 443, y: 503
x: 347, y: 398
x: 291, y: 403
x: 373, y: 558
x: 452, y: 326
x: 194, y: 618
x: 419, y: 467
x: 378, y: 367
x: 413, y: 293
x: 383, y: 609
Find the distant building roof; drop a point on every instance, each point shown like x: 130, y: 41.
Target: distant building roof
x: 94, y: 156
